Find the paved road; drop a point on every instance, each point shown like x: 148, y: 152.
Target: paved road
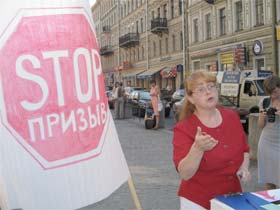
x: 149, y: 157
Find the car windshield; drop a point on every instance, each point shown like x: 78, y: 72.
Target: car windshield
x: 144, y: 96
x: 181, y: 92
x: 259, y: 84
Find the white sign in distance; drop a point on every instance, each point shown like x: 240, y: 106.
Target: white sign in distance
x: 229, y: 89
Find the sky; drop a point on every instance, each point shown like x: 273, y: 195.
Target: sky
x: 91, y: 2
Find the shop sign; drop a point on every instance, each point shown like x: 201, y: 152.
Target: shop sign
x: 278, y: 33
x: 240, y: 55
x: 230, y: 83
x: 227, y: 58
x: 126, y: 65
x: 179, y: 67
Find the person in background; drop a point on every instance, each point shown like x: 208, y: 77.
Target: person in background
x: 115, y: 98
x: 210, y: 156
x: 168, y: 87
x: 154, y: 92
x: 121, y: 96
x: 269, y: 143
x: 127, y: 90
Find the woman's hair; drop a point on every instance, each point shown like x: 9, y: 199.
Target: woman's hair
x: 190, y: 84
x: 270, y: 83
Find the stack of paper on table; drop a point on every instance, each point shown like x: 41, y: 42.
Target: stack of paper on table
x: 246, y: 201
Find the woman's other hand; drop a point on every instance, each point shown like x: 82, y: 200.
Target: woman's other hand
x: 244, y: 174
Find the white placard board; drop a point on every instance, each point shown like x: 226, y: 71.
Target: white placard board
x: 59, y: 146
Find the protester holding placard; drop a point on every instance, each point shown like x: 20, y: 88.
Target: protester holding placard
x: 210, y: 150
x: 269, y: 144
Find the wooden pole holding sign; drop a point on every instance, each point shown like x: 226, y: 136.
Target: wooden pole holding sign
x: 134, y: 194
x: 3, y: 196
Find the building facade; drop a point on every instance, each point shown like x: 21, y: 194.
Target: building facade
x: 106, y: 19
x: 165, y: 40
x: 145, y: 41
x: 227, y: 35
x: 278, y: 34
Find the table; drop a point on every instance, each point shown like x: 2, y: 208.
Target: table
x: 247, y: 201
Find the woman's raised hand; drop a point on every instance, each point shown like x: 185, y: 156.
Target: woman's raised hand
x: 203, y: 141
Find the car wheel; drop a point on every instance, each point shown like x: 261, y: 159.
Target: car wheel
x: 167, y: 112
x: 150, y: 123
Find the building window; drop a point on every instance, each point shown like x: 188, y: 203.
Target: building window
x: 172, y: 8
x: 166, y: 45
x: 137, y: 26
x: 165, y: 11
x: 142, y: 25
x: 259, y: 12
x: 208, y: 67
x: 159, y: 47
x: 227, y: 67
x: 121, y: 12
x: 195, y: 30
x: 208, y: 26
x: 173, y: 43
x: 180, y: 7
x: 155, y: 48
x: 238, y: 16
x: 158, y: 12
x: 153, y: 15
x: 196, y: 65
x: 259, y: 64
x: 181, y: 40
x: 143, y: 53
x: 222, y: 17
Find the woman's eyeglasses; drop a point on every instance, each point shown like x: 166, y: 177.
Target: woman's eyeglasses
x: 201, y: 90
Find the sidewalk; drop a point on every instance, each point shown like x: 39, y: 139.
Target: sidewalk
x: 251, y: 186
x: 149, y: 157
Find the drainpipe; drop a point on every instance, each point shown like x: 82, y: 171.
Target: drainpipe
x: 274, y: 38
x: 119, y: 25
x: 147, y: 36
x: 184, y: 44
x: 147, y: 39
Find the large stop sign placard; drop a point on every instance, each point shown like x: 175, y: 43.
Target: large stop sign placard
x: 52, y: 93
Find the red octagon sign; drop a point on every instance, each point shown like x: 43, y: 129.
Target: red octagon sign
x: 52, y: 93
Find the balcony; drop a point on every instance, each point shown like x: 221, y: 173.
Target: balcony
x: 106, y: 50
x: 210, y: 1
x: 106, y: 29
x: 129, y: 40
x: 159, y: 25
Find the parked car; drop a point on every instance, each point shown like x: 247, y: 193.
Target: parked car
x: 111, y: 102
x: 178, y: 95
x: 128, y: 91
x: 223, y: 101
x: 140, y: 99
x: 166, y: 96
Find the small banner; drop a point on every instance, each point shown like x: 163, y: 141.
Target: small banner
x: 59, y: 146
